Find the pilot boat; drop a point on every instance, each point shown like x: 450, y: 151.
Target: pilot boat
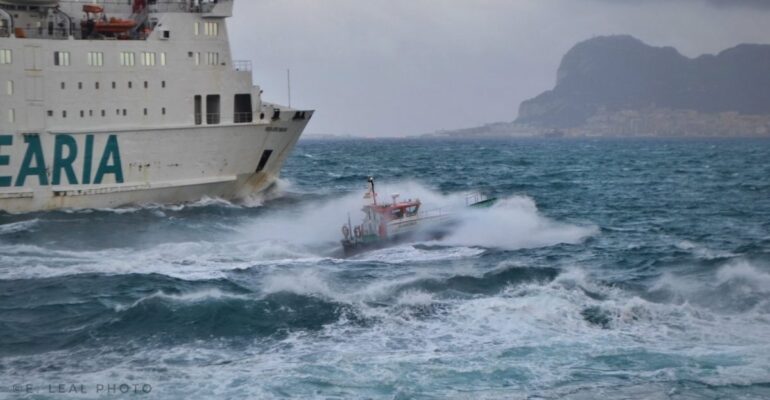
x: 386, y: 224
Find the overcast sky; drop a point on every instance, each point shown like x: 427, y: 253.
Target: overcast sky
x: 404, y: 67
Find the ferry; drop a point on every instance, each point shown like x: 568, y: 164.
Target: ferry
x: 385, y: 224
x: 110, y: 103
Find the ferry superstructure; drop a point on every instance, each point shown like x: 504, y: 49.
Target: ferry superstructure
x: 116, y: 102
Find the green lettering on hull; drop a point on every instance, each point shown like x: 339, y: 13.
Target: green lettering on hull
x: 60, y: 163
x: 34, y: 153
x: 111, y: 152
x: 5, y: 140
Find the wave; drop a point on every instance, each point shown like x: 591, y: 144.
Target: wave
x: 184, y: 260
x: 515, y: 223
x: 16, y: 227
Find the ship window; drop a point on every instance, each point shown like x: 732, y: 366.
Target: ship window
x: 104, y: 113
x: 125, y: 112
x: 198, y: 58
x: 63, y: 85
x: 6, y: 56
x: 117, y: 111
x: 197, y: 28
x: 90, y: 113
x: 114, y: 85
x: 50, y: 113
x: 212, y: 58
x: 163, y: 84
x: 163, y: 59
x: 198, y: 110
x: 12, y: 115
x: 145, y: 111
x: 82, y: 113
x: 211, y: 28
x: 163, y: 110
x: 130, y: 84
x: 146, y: 84
x: 80, y: 85
x: 127, y: 59
x: 61, y: 58
x: 95, y: 58
x: 212, y: 109
x: 64, y: 114
x: 96, y: 85
x: 242, y: 109
x: 148, y: 59
x: 9, y: 88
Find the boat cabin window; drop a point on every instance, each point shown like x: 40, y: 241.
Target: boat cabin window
x: 410, y: 211
x: 398, y: 213
x: 6, y: 56
x: 95, y: 58
x: 127, y: 59
x: 61, y: 58
x: 242, y: 109
x: 212, y: 109
x: 198, y: 110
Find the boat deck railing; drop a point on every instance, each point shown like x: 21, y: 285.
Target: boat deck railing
x: 243, y: 117
x: 199, y: 6
x: 242, y: 65
x: 36, y: 33
x: 475, y: 198
x: 434, y: 213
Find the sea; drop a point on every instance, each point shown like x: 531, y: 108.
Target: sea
x: 607, y: 269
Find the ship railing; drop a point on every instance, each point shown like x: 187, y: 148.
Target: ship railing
x: 474, y: 198
x: 39, y: 33
x: 435, y: 213
x: 243, y: 117
x: 242, y: 65
x: 213, y: 118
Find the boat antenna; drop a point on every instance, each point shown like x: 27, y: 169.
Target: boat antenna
x: 288, y: 84
x: 371, y: 188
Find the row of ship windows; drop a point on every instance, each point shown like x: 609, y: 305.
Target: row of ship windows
x: 118, y: 111
x: 127, y: 58
x: 10, y: 87
x: 209, y: 28
x: 97, y: 85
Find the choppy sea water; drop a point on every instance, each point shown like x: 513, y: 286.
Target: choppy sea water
x: 609, y: 269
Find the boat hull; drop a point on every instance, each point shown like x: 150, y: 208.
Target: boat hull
x: 116, y: 168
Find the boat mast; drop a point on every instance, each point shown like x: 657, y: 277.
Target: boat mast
x: 371, y: 190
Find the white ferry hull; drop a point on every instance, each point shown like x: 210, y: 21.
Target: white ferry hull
x: 142, y: 166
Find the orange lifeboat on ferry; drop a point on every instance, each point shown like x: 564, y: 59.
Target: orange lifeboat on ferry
x: 93, y: 9
x: 114, y: 25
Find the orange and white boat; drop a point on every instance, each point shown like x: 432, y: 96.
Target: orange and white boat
x: 400, y: 220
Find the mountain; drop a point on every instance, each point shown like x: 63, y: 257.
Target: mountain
x: 606, y: 80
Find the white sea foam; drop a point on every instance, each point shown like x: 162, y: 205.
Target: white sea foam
x: 186, y: 298
x: 514, y: 223
x: 21, y: 226
x: 186, y: 260
x: 744, y: 272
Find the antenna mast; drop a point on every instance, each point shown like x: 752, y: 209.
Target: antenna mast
x: 288, y: 84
